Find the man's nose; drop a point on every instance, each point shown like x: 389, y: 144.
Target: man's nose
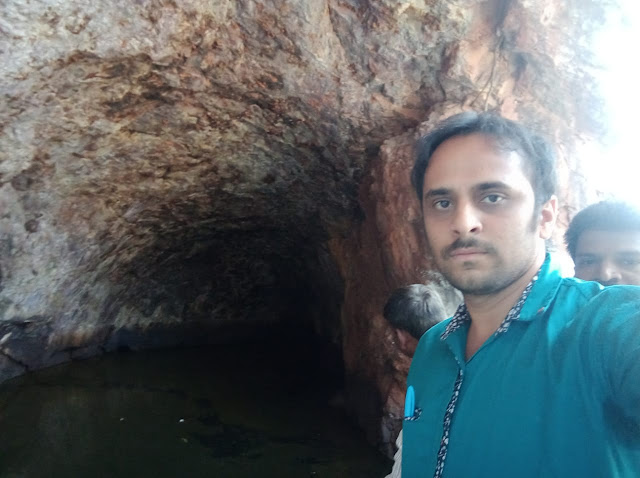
x: 609, y: 274
x: 466, y: 220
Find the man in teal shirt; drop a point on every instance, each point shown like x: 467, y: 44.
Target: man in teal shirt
x: 535, y: 375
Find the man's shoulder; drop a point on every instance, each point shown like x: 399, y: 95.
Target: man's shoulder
x: 617, y: 300
x: 437, y: 330
x: 432, y: 337
x: 590, y: 291
x: 590, y: 301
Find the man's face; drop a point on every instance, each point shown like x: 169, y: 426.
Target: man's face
x: 609, y: 257
x: 478, y: 208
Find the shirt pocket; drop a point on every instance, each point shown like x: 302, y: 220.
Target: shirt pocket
x: 422, y: 433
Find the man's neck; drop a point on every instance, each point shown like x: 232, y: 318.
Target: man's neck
x: 487, y: 312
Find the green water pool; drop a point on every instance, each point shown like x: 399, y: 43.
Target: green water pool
x: 224, y: 411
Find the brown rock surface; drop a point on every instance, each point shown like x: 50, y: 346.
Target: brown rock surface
x: 168, y: 167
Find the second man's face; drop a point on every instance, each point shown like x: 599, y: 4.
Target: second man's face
x: 609, y: 257
x: 479, y: 215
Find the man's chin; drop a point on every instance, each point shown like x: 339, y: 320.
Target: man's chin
x: 477, y: 288
x: 462, y: 269
x: 469, y: 281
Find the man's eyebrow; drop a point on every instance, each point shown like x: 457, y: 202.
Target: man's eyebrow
x: 492, y: 185
x: 437, y: 192
x: 629, y: 252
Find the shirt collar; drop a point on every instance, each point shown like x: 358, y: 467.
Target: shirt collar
x: 544, y: 290
x: 540, y: 291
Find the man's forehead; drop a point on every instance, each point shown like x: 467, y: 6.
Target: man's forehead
x: 602, y: 241
x: 472, y: 160
x: 481, y: 140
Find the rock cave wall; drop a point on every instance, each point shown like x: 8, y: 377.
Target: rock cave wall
x: 171, y: 167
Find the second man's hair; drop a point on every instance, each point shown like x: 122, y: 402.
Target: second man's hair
x: 603, y: 216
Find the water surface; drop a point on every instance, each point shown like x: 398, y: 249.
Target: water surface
x: 224, y: 411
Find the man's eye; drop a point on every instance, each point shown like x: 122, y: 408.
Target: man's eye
x: 492, y: 198
x: 631, y: 262
x: 442, y: 204
x: 584, y: 262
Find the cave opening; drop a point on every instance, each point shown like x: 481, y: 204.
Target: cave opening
x: 238, y: 286
x: 277, y: 287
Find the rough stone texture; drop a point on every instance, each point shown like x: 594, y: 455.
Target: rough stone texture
x: 171, y: 167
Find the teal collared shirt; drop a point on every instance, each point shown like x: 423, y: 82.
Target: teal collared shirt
x: 556, y: 395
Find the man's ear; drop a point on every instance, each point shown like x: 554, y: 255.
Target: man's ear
x: 406, y: 342
x: 548, y: 216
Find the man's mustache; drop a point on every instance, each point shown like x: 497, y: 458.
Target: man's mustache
x: 468, y: 243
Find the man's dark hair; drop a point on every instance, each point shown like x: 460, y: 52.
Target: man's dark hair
x: 616, y: 216
x: 508, y: 136
x: 414, y: 308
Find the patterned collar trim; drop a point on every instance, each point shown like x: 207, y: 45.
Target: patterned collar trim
x: 462, y: 314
